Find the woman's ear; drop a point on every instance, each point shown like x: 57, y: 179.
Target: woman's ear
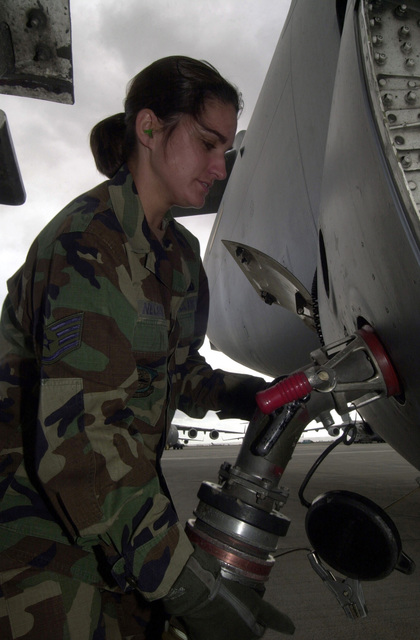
x: 146, y: 127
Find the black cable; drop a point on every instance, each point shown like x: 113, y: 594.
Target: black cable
x: 342, y: 438
x: 285, y: 553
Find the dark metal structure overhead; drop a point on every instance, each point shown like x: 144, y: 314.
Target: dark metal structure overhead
x: 35, y: 62
x: 35, y: 50
x: 12, y: 190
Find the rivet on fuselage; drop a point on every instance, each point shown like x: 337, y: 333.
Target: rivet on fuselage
x: 380, y: 58
x: 406, y: 161
x: 406, y: 47
x: 401, y: 11
x: 411, y: 97
x: 375, y: 22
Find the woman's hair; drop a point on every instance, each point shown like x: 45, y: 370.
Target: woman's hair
x: 170, y: 87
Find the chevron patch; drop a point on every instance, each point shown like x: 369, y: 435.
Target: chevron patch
x: 62, y: 337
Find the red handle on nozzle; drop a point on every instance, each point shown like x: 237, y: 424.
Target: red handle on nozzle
x: 294, y: 387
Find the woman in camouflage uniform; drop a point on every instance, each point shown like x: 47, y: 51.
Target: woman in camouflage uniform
x: 100, y: 339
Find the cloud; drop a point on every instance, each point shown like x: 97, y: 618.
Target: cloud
x: 238, y: 37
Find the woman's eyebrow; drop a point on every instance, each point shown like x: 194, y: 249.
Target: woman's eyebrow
x: 219, y: 135
x: 216, y: 133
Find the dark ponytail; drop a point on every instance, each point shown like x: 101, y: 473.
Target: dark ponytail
x: 170, y: 87
x: 107, y: 142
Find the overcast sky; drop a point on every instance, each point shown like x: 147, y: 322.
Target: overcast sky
x: 111, y: 42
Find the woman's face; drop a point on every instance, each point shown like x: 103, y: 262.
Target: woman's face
x: 194, y: 156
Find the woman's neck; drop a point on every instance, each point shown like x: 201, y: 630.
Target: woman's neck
x: 153, y: 203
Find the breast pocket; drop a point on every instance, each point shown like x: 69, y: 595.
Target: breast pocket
x: 151, y: 336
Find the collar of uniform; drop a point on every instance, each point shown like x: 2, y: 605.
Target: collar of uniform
x: 129, y: 211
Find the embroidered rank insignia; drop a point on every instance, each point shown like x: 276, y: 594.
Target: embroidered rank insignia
x: 62, y: 337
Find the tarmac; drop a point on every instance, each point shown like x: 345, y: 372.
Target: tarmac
x: 373, y: 470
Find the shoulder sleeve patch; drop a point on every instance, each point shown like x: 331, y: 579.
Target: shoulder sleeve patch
x: 61, y: 337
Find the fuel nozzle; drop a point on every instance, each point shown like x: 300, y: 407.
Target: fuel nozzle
x: 356, y: 370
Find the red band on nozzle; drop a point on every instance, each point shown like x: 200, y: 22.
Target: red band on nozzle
x: 294, y: 387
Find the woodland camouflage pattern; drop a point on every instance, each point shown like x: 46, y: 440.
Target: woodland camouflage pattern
x: 99, y: 345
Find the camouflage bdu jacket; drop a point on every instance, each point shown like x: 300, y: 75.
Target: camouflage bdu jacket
x: 99, y: 345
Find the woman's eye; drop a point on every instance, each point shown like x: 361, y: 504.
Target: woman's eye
x: 208, y: 145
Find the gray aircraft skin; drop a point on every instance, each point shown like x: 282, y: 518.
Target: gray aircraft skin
x: 327, y: 182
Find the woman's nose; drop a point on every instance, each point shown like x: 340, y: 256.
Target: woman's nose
x: 218, y: 167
